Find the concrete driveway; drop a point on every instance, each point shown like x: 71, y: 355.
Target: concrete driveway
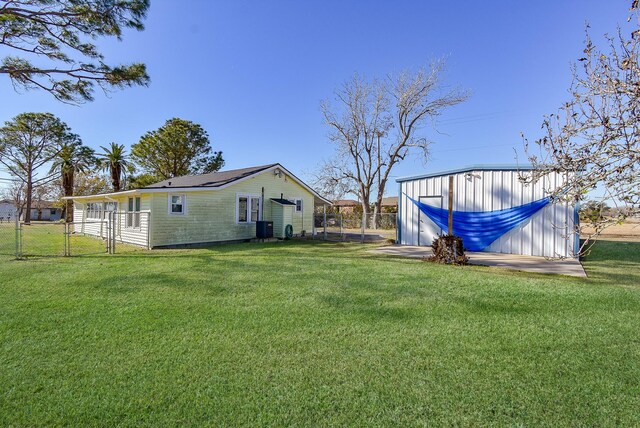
x: 570, y: 267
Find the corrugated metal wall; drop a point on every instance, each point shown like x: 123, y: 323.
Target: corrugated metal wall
x: 549, y: 232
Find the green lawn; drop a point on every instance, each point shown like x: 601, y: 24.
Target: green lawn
x: 311, y: 333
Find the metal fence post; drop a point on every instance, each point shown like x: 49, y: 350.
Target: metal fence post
x: 67, y: 238
x: 325, y: 221
x: 109, y: 214
x: 18, y: 252
x: 114, y: 226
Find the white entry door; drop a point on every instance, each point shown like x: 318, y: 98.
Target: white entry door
x: 427, y: 229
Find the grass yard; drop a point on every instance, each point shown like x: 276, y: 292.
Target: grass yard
x: 311, y: 333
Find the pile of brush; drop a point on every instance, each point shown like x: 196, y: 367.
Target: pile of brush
x: 448, y: 249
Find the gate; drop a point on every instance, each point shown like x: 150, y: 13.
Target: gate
x: 125, y: 230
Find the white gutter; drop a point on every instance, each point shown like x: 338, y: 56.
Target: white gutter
x: 103, y: 195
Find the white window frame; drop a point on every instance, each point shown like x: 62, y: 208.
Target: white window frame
x: 182, y: 196
x: 295, y: 201
x: 94, y: 213
x: 249, y: 198
x: 133, y: 217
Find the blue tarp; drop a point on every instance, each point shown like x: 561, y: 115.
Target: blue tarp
x: 478, y: 229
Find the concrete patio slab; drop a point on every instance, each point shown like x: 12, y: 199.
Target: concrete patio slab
x: 570, y: 267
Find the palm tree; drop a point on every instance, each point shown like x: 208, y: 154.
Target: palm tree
x: 114, y: 159
x: 72, y: 157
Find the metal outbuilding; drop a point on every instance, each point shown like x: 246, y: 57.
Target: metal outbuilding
x: 549, y: 232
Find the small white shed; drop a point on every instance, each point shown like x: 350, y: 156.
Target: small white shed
x: 548, y: 230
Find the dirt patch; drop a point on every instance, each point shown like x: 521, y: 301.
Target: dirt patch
x: 629, y: 231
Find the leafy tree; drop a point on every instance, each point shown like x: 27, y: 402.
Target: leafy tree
x: 58, y: 34
x: 72, y: 158
x: 29, y: 142
x: 594, y: 138
x: 376, y: 124
x: 115, y: 160
x: 179, y: 147
x: 90, y: 183
x: 142, y: 180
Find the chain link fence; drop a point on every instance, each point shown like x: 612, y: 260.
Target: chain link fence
x: 9, y: 238
x: 122, y: 230
x: 353, y: 227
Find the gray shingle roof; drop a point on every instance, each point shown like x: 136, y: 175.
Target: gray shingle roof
x: 282, y: 201
x: 213, y: 179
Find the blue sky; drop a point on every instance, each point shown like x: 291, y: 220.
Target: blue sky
x: 253, y: 73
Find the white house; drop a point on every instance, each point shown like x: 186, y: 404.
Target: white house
x: 7, y: 211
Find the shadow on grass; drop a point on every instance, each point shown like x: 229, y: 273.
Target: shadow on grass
x: 371, y: 308
x: 614, y: 262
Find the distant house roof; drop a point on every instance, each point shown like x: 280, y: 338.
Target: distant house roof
x: 43, y: 205
x: 390, y: 201
x: 345, y: 203
x: 213, y: 179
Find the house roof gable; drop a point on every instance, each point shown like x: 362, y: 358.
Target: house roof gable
x: 213, y: 179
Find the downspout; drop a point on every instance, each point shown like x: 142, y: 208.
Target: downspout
x: 576, y: 226
x: 398, y: 214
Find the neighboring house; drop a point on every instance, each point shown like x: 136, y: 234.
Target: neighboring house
x: 348, y: 206
x: 45, y: 211
x: 390, y: 204
x: 7, y: 211
x: 345, y: 206
x: 216, y: 207
x: 41, y: 210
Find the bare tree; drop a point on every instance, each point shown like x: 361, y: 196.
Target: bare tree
x: 377, y: 124
x: 363, y: 116
x: 594, y: 138
x: 418, y: 98
x: 16, y: 194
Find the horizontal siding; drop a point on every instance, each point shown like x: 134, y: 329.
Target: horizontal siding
x: 211, y: 215
x: 548, y: 233
x: 96, y: 227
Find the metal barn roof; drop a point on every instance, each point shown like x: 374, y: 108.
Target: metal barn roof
x: 481, y: 167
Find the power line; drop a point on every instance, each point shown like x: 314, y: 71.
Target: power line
x: 480, y: 117
x: 472, y: 148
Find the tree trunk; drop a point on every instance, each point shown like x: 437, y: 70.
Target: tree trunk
x: 116, y: 172
x: 377, y: 211
x: 381, y: 186
x: 363, y: 223
x: 67, y: 184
